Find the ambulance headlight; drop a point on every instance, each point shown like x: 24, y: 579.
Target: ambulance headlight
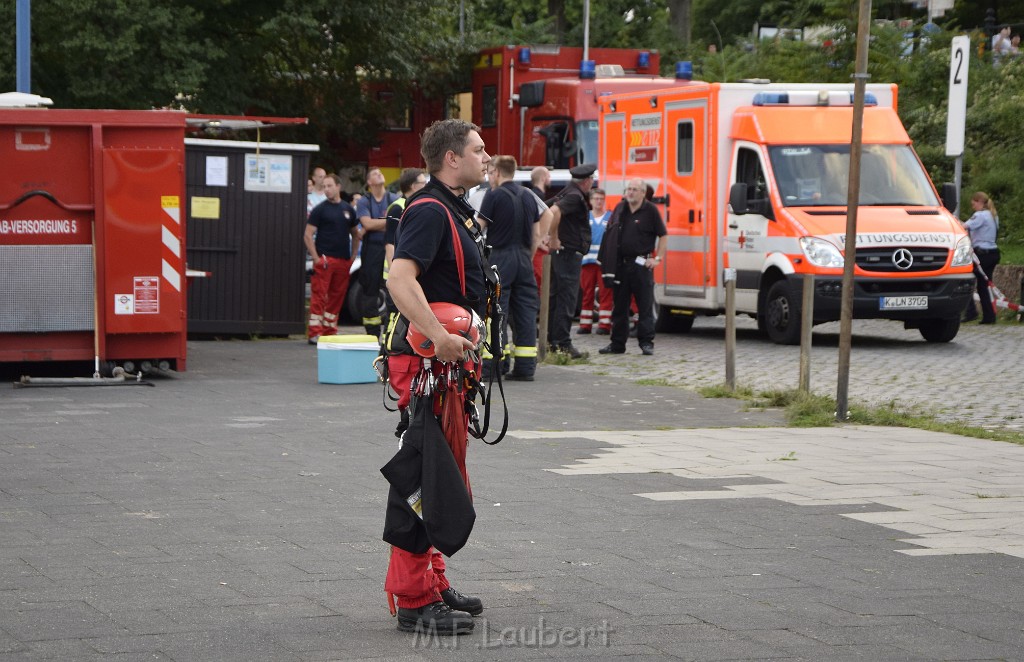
x: 963, y: 255
x: 821, y: 253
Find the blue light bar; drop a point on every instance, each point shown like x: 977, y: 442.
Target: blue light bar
x: 643, y: 60
x: 810, y: 98
x: 588, y: 69
x: 684, y: 70
x: 524, y: 56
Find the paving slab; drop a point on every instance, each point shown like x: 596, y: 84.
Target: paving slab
x: 234, y: 512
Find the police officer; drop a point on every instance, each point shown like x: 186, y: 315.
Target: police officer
x: 511, y: 216
x: 570, y: 241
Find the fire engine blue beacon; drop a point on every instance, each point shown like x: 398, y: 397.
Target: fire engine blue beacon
x: 643, y: 59
x: 524, y: 56
x: 684, y: 70
x: 588, y: 69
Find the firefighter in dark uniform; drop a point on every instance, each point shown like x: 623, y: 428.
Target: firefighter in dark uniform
x: 511, y: 216
x: 433, y: 265
x: 570, y: 241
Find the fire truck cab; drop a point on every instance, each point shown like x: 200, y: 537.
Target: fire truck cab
x: 754, y: 177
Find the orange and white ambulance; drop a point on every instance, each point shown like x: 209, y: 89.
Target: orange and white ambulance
x: 754, y: 176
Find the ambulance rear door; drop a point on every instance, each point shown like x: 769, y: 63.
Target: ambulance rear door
x: 687, y: 181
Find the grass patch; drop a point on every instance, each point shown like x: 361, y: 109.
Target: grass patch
x: 1011, y: 252
x: 722, y: 391
x: 807, y: 410
x: 561, y: 358
x: 653, y: 382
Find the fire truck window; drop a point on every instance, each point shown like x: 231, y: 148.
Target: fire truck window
x: 399, y: 116
x: 489, y: 99
x: 684, y: 148
x: 586, y: 141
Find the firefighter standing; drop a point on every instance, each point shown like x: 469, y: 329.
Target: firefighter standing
x: 511, y: 216
x: 433, y: 265
x: 570, y: 241
x: 372, y: 211
x: 330, y: 226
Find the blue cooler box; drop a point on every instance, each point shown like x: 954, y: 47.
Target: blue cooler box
x: 346, y: 359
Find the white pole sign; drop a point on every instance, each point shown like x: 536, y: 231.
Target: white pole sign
x: 957, y: 96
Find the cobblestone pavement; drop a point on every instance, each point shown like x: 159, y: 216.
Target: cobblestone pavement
x: 978, y: 378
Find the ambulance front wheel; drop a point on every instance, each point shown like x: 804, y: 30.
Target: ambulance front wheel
x: 781, y: 317
x: 940, y: 330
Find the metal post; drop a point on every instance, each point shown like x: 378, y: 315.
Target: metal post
x: 852, y: 199
x: 586, y: 29
x: 545, y: 301
x: 806, y: 322
x: 958, y: 177
x: 729, y: 276
x: 24, y: 47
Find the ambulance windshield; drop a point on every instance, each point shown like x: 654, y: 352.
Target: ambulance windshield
x: 818, y: 176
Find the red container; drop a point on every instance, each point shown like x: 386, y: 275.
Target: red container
x: 92, y: 259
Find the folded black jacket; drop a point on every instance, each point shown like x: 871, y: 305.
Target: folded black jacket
x: 425, y: 464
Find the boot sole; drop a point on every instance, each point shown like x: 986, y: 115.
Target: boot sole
x: 432, y: 628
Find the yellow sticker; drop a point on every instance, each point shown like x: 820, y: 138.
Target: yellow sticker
x: 205, y: 207
x: 169, y: 201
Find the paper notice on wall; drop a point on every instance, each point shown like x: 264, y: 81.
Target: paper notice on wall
x: 205, y: 207
x: 268, y: 173
x: 216, y: 171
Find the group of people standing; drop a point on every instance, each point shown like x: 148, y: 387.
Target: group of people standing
x: 520, y: 228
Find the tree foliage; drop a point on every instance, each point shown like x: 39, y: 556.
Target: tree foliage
x: 325, y: 59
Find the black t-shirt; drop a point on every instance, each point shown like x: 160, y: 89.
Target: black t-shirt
x: 640, y: 230
x: 425, y: 236
x: 391, y: 223
x: 333, y: 222
x: 512, y: 211
x: 574, y: 227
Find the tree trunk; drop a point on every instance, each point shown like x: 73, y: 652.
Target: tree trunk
x: 680, y: 14
x: 556, y: 8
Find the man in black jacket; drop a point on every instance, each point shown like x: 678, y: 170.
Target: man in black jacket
x: 635, y: 226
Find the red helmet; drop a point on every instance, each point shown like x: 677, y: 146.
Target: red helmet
x: 455, y: 319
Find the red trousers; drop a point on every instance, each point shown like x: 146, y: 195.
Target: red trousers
x: 590, y: 280
x: 538, y: 266
x: 327, y: 289
x: 418, y: 579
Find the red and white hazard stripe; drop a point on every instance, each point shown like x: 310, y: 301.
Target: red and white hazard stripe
x: 171, y: 252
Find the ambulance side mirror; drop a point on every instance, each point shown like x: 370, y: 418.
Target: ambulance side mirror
x: 738, y: 198
x: 949, y: 196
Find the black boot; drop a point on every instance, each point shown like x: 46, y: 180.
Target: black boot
x: 467, y: 603
x: 437, y: 617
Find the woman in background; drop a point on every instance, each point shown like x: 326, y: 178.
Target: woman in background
x: 983, y: 226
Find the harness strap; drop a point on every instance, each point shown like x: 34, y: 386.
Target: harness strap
x: 460, y: 259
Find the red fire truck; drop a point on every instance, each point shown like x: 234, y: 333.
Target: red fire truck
x: 537, y: 103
